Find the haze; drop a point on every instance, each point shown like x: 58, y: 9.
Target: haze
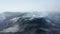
x: 29, y: 5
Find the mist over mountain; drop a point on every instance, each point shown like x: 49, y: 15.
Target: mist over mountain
x: 30, y: 22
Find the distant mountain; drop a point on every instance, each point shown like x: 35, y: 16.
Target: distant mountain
x: 5, y: 17
x: 10, y: 15
x: 2, y: 17
x: 31, y: 22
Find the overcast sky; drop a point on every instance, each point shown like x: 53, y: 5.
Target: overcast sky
x: 29, y: 5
